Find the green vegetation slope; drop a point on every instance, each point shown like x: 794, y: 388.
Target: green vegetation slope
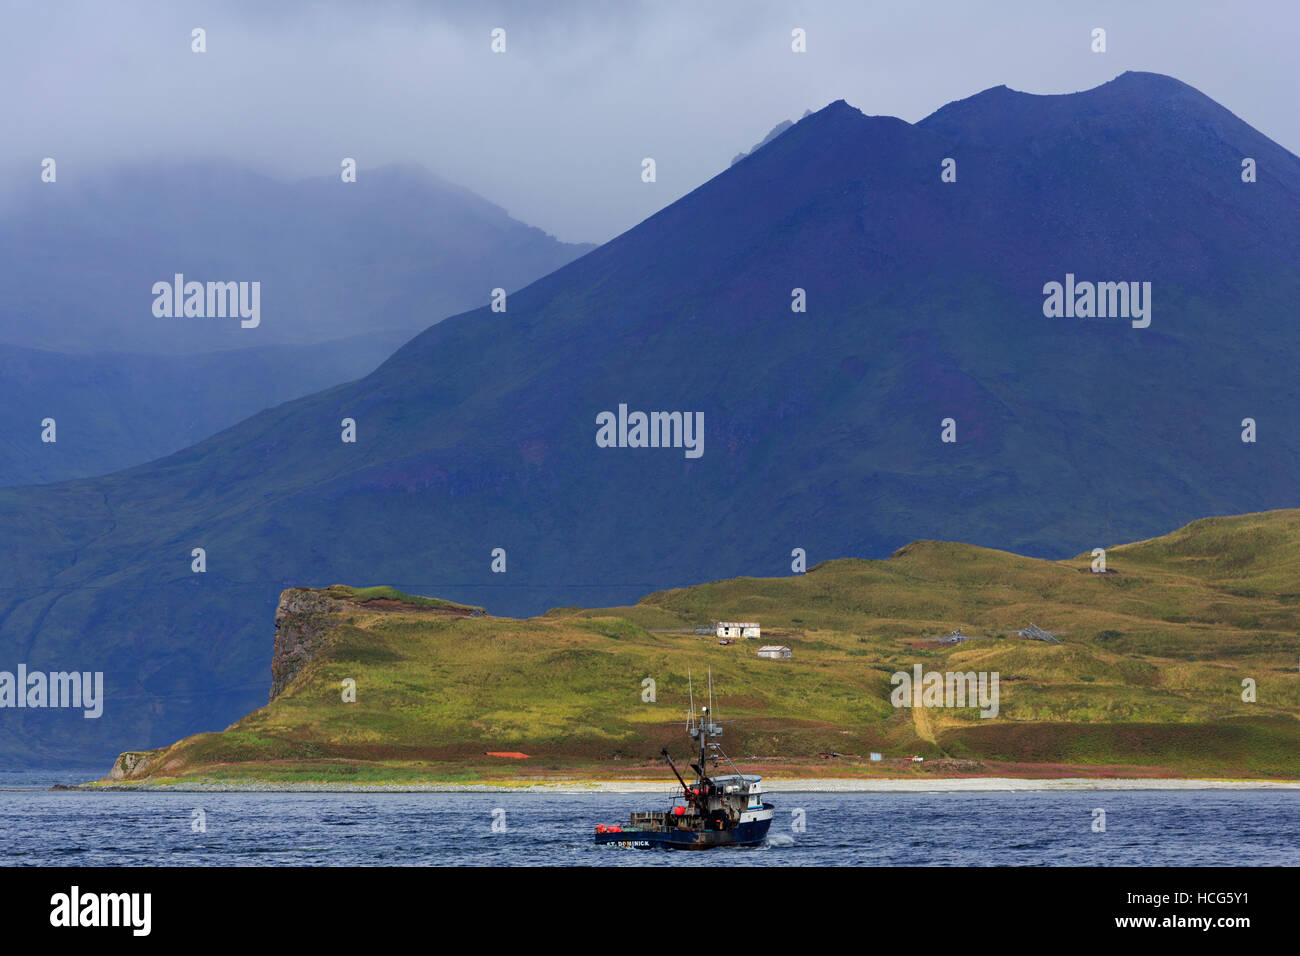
x: 1148, y: 677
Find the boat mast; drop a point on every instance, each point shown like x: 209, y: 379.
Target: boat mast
x: 690, y: 708
x: 705, y: 723
x: 710, y: 732
x: 703, y: 729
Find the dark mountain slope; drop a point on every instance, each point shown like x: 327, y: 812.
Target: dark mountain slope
x: 114, y: 410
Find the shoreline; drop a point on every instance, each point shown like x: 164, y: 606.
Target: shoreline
x: 792, y: 785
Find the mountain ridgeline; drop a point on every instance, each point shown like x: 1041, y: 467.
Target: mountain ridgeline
x: 396, y: 250
x: 823, y: 428
x: 346, y: 273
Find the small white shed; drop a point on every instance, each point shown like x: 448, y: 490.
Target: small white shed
x: 746, y: 629
x: 775, y: 651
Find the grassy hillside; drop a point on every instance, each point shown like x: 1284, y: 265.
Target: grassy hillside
x: 1147, y: 679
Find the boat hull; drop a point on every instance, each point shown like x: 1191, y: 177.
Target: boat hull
x: 748, y: 833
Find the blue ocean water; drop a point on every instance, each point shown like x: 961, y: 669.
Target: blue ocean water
x: 1177, y: 828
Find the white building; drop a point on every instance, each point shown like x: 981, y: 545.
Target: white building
x: 775, y: 651
x: 746, y: 629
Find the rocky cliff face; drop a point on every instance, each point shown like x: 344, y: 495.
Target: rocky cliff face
x: 302, y: 620
x: 129, y: 765
x: 305, y: 618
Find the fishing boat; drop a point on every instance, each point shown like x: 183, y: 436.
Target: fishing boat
x: 716, y: 810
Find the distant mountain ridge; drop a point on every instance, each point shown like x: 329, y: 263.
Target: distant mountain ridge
x: 823, y: 428
x: 347, y: 272
x: 397, y: 250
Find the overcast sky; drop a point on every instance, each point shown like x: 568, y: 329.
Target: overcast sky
x: 555, y: 129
